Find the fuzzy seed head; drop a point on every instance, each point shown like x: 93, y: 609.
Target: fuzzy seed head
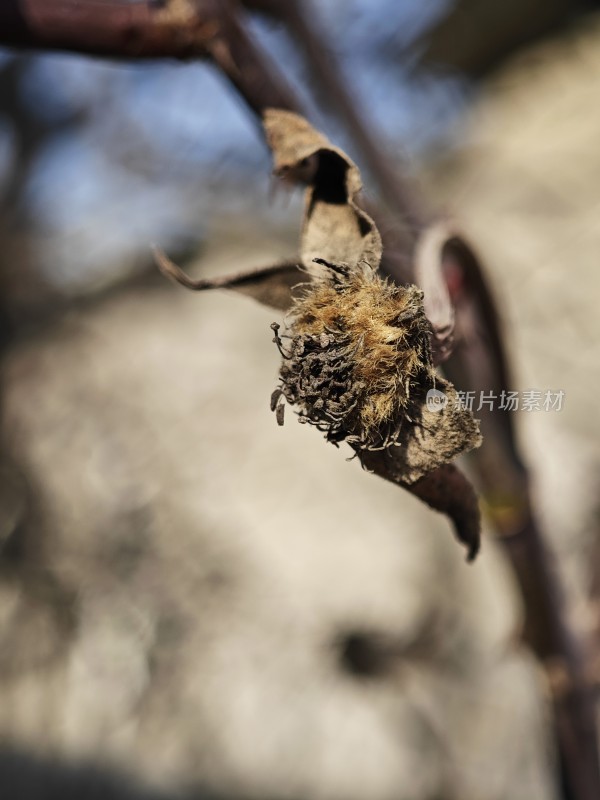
x: 356, y: 355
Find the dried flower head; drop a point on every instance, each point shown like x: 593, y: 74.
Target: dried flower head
x: 356, y: 356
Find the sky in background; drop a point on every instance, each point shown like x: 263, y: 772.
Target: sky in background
x: 164, y: 147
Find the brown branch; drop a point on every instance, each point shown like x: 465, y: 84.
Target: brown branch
x: 404, y: 235
x: 107, y: 27
x: 329, y: 81
x: 479, y: 363
x: 179, y: 29
x: 186, y: 28
x: 248, y: 67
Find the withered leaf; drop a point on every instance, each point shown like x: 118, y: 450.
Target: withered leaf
x: 446, y: 489
x: 272, y: 286
x: 335, y: 228
x: 420, y: 463
x: 428, y: 272
x: 435, y: 438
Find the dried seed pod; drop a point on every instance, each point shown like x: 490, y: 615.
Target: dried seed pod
x: 356, y: 355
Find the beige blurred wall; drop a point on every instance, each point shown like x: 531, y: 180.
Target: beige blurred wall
x: 188, y: 568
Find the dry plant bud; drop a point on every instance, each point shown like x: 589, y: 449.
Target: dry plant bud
x: 356, y: 352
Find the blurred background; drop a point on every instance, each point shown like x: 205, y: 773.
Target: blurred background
x: 193, y: 602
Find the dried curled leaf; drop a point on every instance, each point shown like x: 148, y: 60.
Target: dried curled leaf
x: 444, y: 489
x: 272, y: 286
x: 335, y: 229
x: 428, y: 272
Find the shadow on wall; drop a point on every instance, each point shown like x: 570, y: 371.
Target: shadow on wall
x: 23, y: 777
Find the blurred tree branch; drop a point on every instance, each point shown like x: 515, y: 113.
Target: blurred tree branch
x: 207, y: 28
x: 149, y: 29
x: 180, y: 29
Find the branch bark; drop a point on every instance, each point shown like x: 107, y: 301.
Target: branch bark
x: 147, y: 29
x: 206, y: 28
x: 479, y: 363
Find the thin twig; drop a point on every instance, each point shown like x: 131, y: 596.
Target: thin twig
x: 197, y: 28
